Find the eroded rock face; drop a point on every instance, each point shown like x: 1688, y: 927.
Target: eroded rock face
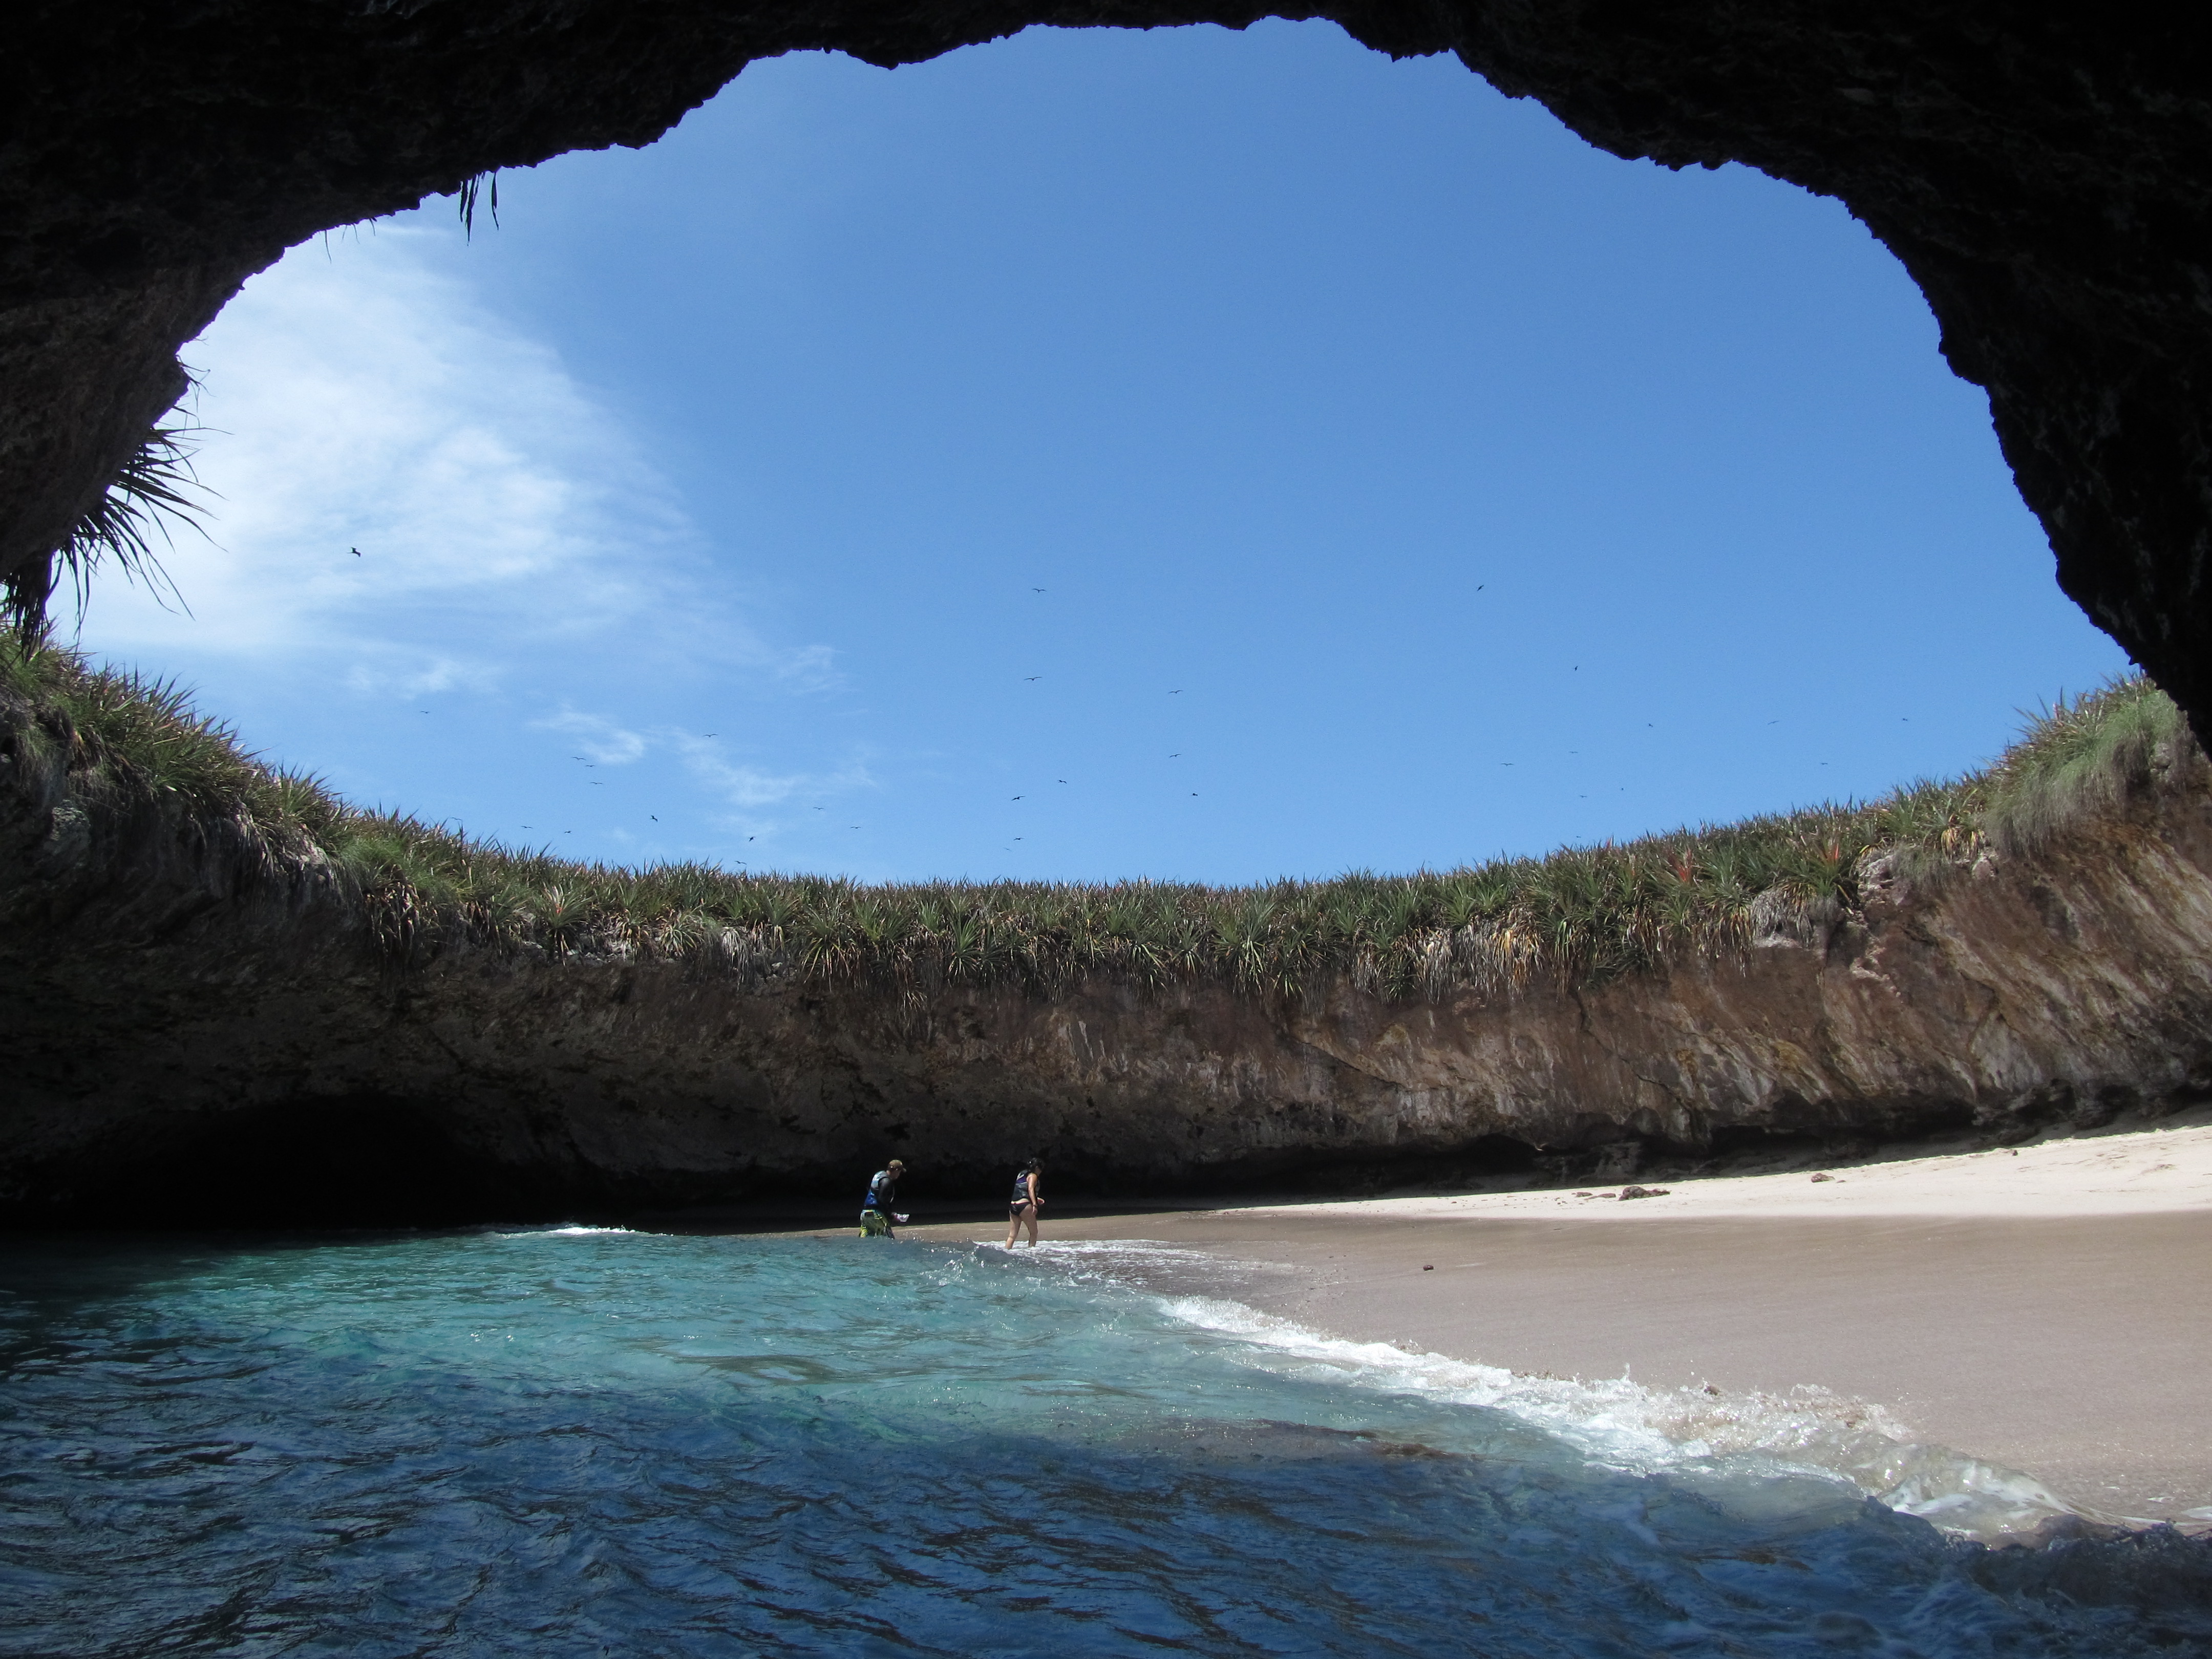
x: 2043, y: 170
x: 199, y: 1029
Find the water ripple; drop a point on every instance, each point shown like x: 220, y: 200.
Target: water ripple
x: 583, y: 1441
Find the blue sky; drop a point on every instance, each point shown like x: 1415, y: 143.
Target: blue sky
x: 1405, y: 481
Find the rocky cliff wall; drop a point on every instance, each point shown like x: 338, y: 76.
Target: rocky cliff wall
x: 202, y: 1025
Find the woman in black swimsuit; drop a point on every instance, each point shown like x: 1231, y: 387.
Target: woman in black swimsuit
x: 1028, y: 1200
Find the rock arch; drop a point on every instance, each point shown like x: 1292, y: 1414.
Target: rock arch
x: 2044, y: 171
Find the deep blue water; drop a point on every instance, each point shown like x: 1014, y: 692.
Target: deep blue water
x: 565, y: 1442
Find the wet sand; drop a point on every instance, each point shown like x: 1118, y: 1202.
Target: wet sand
x: 2049, y: 1309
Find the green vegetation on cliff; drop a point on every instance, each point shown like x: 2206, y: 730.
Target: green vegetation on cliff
x: 1581, y: 914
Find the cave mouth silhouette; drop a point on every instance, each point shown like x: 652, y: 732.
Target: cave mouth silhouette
x: 374, y: 1162
x: 316, y: 1164
x: 2043, y: 174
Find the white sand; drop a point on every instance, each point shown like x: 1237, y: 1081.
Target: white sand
x: 2140, y: 1173
x: 2049, y: 1309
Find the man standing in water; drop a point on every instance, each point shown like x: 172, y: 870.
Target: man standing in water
x: 876, y: 1213
x: 1028, y: 1200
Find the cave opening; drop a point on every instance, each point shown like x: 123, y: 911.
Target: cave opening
x: 1096, y: 400
x: 2093, y: 363
x: 2042, y: 181
x: 349, y: 1161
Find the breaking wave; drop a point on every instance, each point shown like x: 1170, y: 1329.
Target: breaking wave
x: 570, y: 1442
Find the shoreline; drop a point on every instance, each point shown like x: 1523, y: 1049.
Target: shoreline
x: 2045, y: 1308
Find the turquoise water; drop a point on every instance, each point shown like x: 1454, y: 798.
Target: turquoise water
x: 571, y: 1441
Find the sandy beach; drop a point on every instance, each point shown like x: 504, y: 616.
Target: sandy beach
x: 2047, y: 1307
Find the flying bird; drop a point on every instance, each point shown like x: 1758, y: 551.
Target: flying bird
x: 355, y: 551
x: 1036, y: 590
x: 1176, y: 692
x: 1032, y: 679
x: 655, y: 817
x: 1176, y: 756
x: 1017, y: 797
x: 1060, y: 779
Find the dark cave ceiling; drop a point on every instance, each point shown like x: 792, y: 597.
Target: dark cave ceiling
x: 2043, y: 171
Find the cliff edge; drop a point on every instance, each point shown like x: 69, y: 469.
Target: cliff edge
x: 228, y: 1001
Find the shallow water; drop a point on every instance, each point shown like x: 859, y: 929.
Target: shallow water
x: 569, y: 1441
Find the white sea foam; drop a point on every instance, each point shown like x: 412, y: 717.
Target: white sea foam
x: 1106, y: 1253
x: 1735, y: 1447
x: 572, y: 1231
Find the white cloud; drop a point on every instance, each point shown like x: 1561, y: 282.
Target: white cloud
x: 750, y: 789
x: 607, y: 743
x: 600, y: 739
x: 809, y: 668
x: 387, y: 670
x: 358, y: 398
x: 516, y: 549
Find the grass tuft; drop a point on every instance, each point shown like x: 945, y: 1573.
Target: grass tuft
x: 2085, y: 757
x: 157, y: 484
x: 1580, y: 916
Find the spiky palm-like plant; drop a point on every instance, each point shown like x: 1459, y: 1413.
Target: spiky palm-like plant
x: 156, y: 485
x: 473, y: 191
x: 1581, y: 914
